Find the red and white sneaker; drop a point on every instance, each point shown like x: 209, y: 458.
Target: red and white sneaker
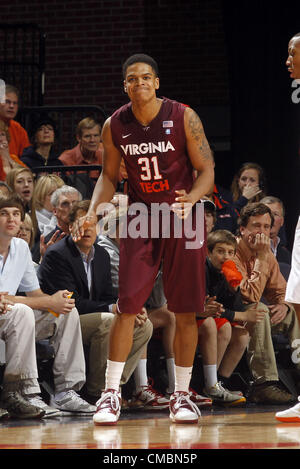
x: 151, y: 399
x: 108, y: 408
x: 200, y: 401
x: 182, y: 409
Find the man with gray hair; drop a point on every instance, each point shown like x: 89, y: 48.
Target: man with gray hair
x: 62, y: 201
x: 281, y: 253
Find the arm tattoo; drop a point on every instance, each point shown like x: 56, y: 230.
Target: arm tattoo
x: 197, y: 133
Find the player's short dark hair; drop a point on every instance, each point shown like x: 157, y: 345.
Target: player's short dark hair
x: 252, y: 210
x: 13, y: 201
x: 220, y: 236
x: 142, y: 58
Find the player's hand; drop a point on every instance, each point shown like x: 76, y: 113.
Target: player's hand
x: 81, y: 224
x: 183, y: 204
x: 60, y: 303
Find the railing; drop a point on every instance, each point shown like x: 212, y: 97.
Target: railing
x: 66, y: 119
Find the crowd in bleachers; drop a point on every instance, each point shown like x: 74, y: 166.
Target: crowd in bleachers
x: 247, y: 267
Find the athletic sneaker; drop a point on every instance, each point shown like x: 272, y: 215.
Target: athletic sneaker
x: 3, y: 414
x: 223, y: 396
x: 182, y: 409
x: 199, y: 400
x: 151, y: 399
x: 37, y: 401
x: 108, y: 408
x: 72, y: 403
x: 18, y: 407
x: 290, y: 415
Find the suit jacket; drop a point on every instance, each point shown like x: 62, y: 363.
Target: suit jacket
x: 62, y: 268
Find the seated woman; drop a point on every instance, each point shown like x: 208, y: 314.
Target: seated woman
x: 7, y: 160
x: 248, y: 185
x: 41, y: 152
x: 21, y: 182
x: 41, y: 201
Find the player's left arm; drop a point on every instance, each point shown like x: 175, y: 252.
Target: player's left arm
x: 201, y: 158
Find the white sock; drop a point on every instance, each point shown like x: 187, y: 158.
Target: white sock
x: 170, y: 362
x: 210, y: 375
x: 140, y: 375
x: 182, y: 378
x: 113, y: 374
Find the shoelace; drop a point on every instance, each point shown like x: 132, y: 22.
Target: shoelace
x: 185, y: 401
x: 152, y: 391
x: 109, y: 400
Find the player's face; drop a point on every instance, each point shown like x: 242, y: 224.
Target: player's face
x: 9, y: 109
x: 221, y: 252
x: 141, y: 82
x: 293, y: 60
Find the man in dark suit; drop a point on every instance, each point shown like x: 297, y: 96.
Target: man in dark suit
x: 84, y: 268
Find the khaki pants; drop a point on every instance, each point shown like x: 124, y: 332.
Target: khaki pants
x: 95, y: 335
x: 261, y: 355
x: 20, y: 328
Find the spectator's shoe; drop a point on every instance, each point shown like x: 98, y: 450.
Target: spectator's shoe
x: 220, y: 395
x: 108, y: 408
x: 290, y: 415
x: 19, y: 408
x: 72, y: 403
x: 182, y: 409
x: 270, y: 393
x: 151, y: 399
x: 4, y: 414
x: 37, y: 401
x: 199, y: 400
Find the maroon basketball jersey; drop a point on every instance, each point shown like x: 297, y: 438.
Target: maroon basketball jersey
x: 155, y: 155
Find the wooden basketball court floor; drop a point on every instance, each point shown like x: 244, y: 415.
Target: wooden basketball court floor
x: 249, y: 427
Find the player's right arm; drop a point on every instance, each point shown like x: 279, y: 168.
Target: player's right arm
x: 107, y: 182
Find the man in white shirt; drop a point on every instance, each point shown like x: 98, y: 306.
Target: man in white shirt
x: 31, y: 317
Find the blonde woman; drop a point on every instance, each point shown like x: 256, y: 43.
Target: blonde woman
x: 45, y: 186
x: 21, y: 181
x: 7, y: 160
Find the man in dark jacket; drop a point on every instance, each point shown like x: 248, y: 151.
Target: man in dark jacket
x: 84, y: 268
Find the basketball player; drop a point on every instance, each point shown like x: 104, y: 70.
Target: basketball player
x: 162, y: 142
x: 293, y: 284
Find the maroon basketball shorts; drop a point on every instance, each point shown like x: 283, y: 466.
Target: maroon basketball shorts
x: 183, y: 271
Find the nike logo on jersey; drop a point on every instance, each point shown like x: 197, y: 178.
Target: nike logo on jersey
x: 150, y: 147
x: 125, y: 136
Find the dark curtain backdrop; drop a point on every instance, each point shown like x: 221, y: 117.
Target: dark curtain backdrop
x: 265, y: 122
